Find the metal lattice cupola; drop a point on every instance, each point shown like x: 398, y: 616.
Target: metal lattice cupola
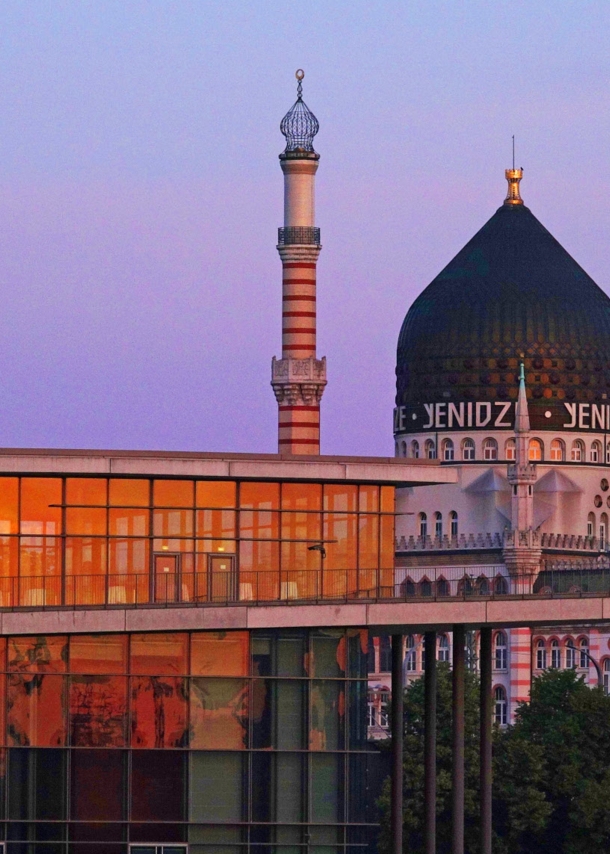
x: 299, y: 125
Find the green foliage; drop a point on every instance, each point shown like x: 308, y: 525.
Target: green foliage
x: 551, y: 770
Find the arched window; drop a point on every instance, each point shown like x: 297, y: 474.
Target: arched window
x: 577, y: 454
x: 591, y: 525
x: 453, y: 518
x: 425, y: 587
x: 468, y: 449
x: 540, y: 655
x: 501, y: 656
x: 501, y: 585
x: 570, y: 654
x: 482, y: 585
x: 430, y: 447
x: 584, y: 654
x: 595, y: 454
x: 410, y: 658
x: 558, y: 451
x: 385, y: 654
x: 403, y: 449
x: 608, y: 453
x: 438, y: 525
x: 555, y: 654
x: 490, y: 449
x: 447, y: 447
x: 607, y: 675
x: 510, y: 449
x: 415, y: 449
x: 443, y: 648
x: 442, y: 587
x: 423, y: 525
x: 603, y: 530
x: 500, y: 706
x: 535, y: 450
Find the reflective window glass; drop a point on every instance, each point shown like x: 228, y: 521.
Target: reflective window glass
x: 36, y: 714
x: 327, y: 715
x: 125, y: 492
x: 158, y: 712
x: 40, y: 505
x: 219, y: 709
x: 98, y: 711
x: 215, y: 787
x: 328, y: 656
x: 40, y: 654
x: 173, y: 493
x: 215, y: 493
x: 159, y: 654
x: 219, y: 653
x: 98, y: 785
x: 9, y: 504
x: 86, y: 490
x: 85, y: 520
x: 158, y: 786
x: 98, y: 654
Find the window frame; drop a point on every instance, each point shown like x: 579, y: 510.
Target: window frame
x: 490, y: 449
x: 468, y: 450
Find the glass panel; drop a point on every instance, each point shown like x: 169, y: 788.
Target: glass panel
x: 9, y: 505
x: 128, y: 523
x: 328, y: 653
x: 173, y: 524
x: 86, y: 490
x: 278, y: 714
x: 300, y: 563
x: 158, y: 786
x: 368, y: 499
x: 215, y: 493
x: 219, y: 710
x: 38, y: 654
x: 37, y: 514
x: 218, y: 529
x: 368, y: 550
x: 386, y: 557
x: 158, y: 712
x: 125, y: 492
x: 173, y: 493
x: 340, y: 526
x: 127, y: 559
x: 33, y: 790
x: 219, y: 653
x: 98, y: 711
x: 85, y: 520
x: 327, y: 715
x: 357, y: 734
x: 40, y: 582
x: 98, y: 785
x: 326, y: 788
x: 259, y: 524
x: 387, y: 499
x: 259, y: 496
x: 357, y: 641
x: 98, y: 654
x: 86, y: 567
x: 36, y: 710
x: 159, y: 654
x: 216, y: 786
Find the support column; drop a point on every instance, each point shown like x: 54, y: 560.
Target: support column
x: 397, y: 742
x: 430, y: 743
x: 459, y: 638
x: 486, y: 714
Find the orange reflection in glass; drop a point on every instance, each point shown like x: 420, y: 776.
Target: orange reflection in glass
x: 86, y: 490
x: 387, y: 555
x: 158, y: 711
x: 129, y: 493
x: 86, y: 567
x: 9, y: 504
x: 219, y: 714
x: 98, y: 711
x: 38, y: 515
x: 173, y: 493
x: 98, y: 654
x: 85, y: 521
x: 39, y: 654
x: 215, y: 493
x: 340, y: 531
x: 220, y: 653
x: 159, y: 654
x: 36, y: 710
x: 9, y: 557
x: 387, y: 499
x: 368, y: 498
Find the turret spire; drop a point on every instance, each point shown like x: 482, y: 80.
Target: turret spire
x: 522, y: 416
x: 513, y: 196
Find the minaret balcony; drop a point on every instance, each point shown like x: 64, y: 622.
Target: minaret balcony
x: 299, y: 235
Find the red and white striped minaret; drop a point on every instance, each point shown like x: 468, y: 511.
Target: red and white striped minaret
x: 298, y: 378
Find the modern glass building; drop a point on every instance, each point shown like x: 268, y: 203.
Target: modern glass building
x: 178, y: 670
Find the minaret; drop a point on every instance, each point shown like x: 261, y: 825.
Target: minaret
x: 522, y: 547
x: 298, y: 378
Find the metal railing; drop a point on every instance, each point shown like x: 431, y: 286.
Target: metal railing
x: 298, y: 235
x: 407, y: 584
x: 560, y: 542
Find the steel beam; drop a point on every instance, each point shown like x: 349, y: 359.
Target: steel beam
x: 459, y: 637
x: 430, y: 743
x: 397, y: 742
x: 486, y: 716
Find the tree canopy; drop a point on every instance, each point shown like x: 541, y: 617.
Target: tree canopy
x: 551, y: 792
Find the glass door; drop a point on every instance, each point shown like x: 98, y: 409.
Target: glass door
x: 222, y: 581
x: 166, y: 578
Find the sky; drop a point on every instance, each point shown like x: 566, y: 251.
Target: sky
x: 140, y: 195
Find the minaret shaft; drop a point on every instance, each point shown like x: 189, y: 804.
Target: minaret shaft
x: 298, y: 378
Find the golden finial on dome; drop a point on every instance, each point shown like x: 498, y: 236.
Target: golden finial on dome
x: 513, y: 176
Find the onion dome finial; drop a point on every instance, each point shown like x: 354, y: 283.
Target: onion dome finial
x: 299, y: 125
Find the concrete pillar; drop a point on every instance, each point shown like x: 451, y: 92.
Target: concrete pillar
x: 397, y: 742
x: 459, y: 637
x: 430, y: 744
x: 485, y: 738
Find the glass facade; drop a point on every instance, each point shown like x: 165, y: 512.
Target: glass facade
x: 217, y: 741
x: 74, y: 541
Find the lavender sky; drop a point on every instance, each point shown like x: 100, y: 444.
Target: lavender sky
x: 140, y: 193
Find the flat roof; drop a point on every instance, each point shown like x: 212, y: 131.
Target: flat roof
x: 389, y: 470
